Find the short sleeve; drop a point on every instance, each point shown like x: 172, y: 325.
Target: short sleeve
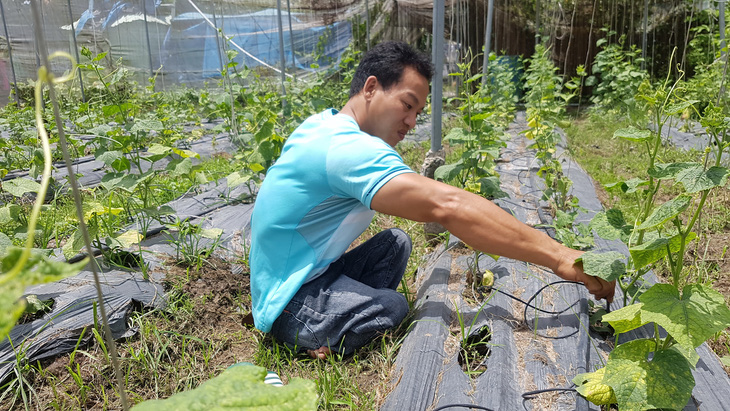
x: 358, y: 165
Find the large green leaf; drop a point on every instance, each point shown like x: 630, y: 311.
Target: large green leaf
x: 237, y: 178
x: 268, y: 150
x: 127, y: 182
x: 691, y: 318
x: 458, y: 135
x: 609, y: 265
x: 489, y: 188
x: 124, y: 181
x: 656, y: 249
x: 591, y: 386
x: 629, y: 186
x: 634, y: 184
x: 147, y: 125
x: 108, y: 156
x: 101, y: 130
x: 75, y: 243
x: 9, y: 213
x: 241, y: 388
x: 114, y: 109
x: 677, y: 108
x: 125, y: 239
x: 632, y: 134
x: 488, y: 151
x: 159, y: 149
x: 666, y: 171
x: 666, y: 212
x: 113, y: 158
x: 448, y: 172
x: 180, y: 167
x: 266, y: 131
x: 220, y: 98
x: 665, y: 382
x: 212, y: 233
x: 95, y: 208
x: 693, y: 176
x: 697, y: 179
x: 20, y: 186
x: 625, y: 319
x: 156, y: 152
x: 611, y: 225
x: 185, y: 153
x: 157, y: 211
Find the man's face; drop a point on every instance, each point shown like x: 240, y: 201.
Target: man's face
x: 392, y: 113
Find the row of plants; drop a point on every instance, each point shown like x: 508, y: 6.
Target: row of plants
x: 546, y: 99
x: 140, y: 139
x: 486, y: 106
x: 663, y: 203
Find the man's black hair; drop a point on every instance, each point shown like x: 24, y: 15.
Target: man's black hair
x: 387, y: 61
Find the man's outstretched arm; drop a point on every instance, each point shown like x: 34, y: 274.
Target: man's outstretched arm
x: 483, y: 225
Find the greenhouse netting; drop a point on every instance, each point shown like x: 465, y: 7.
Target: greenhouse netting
x: 187, y: 41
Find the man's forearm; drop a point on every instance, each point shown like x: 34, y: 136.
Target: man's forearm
x: 486, y: 227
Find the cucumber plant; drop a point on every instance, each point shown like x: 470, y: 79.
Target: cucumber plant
x: 656, y: 372
x: 546, y: 105
x: 620, y: 75
x: 546, y: 102
x: 481, y: 138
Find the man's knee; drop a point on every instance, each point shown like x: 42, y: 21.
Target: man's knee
x: 395, y: 309
x: 402, y: 238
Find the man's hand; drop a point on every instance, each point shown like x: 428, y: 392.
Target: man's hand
x: 568, y: 269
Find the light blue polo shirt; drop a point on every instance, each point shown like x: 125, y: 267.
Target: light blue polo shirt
x: 313, y: 203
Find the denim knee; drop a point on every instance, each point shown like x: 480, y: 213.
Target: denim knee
x: 395, y: 310
x: 403, y: 240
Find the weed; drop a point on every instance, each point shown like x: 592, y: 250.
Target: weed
x: 193, y: 244
x: 19, y: 385
x: 474, y: 342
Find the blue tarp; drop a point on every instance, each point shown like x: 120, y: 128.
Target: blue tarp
x: 192, y: 41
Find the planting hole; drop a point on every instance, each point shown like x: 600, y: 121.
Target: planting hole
x: 475, y: 350
x: 125, y: 259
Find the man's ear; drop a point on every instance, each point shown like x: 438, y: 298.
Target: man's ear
x: 371, y: 84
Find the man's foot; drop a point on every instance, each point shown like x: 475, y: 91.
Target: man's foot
x: 320, y: 353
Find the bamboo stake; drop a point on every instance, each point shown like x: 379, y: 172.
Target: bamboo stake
x: 41, y: 42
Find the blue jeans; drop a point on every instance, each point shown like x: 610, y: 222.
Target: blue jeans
x: 353, y: 301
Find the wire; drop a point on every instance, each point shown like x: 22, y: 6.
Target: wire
x: 528, y: 395
x: 528, y: 304
x: 478, y: 407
